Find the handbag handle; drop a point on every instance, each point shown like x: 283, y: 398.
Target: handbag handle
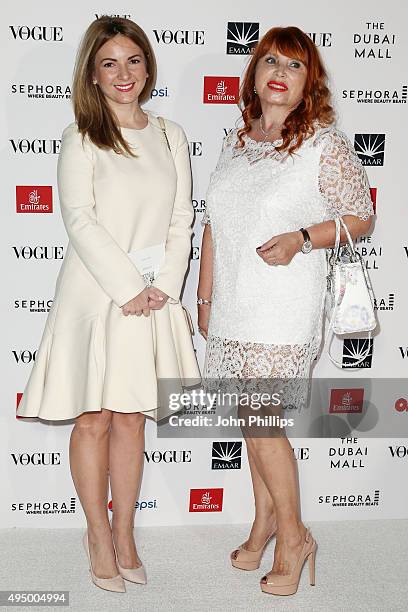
x: 163, y: 129
x: 340, y: 221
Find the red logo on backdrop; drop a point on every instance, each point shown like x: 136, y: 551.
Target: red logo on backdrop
x: 373, y: 194
x: 36, y: 199
x: 206, y: 500
x: 221, y: 90
x: 19, y: 396
x: 346, y: 400
x: 401, y: 405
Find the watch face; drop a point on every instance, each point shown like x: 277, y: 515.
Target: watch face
x: 307, y: 246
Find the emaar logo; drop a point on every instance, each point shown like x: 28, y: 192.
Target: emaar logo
x: 370, y: 148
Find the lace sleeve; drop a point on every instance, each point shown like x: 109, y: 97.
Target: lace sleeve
x: 342, y: 178
x: 228, y: 140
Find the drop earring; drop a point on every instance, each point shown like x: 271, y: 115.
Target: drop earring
x: 255, y: 92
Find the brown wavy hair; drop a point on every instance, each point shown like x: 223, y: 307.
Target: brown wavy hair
x: 93, y: 115
x: 315, y: 106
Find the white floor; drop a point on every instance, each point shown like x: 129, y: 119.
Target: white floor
x: 360, y: 566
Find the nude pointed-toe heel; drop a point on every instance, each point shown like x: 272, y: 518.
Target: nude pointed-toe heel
x: 133, y: 574
x: 277, y: 584
x: 249, y: 560
x: 115, y: 583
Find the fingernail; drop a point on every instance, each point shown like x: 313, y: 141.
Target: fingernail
x: 161, y: 298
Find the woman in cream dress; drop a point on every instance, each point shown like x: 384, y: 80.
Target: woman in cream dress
x: 124, y: 182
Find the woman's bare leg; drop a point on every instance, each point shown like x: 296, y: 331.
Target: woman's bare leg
x: 125, y: 470
x: 265, y: 518
x: 89, y: 455
x: 278, y: 469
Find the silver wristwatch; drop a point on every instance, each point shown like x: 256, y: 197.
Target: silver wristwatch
x: 307, y: 245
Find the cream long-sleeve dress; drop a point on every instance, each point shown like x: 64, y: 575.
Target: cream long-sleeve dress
x: 91, y: 356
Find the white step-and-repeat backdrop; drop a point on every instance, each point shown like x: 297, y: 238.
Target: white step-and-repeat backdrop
x: 365, y: 47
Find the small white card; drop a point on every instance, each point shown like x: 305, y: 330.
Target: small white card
x: 149, y: 260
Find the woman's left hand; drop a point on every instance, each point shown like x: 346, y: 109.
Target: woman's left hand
x: 157, y: 298
x: 280, y: 250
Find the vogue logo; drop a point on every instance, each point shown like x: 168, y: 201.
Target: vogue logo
x: 24, y: 356
x: 47, y: 33
x: 34, y: 199
x: 59, y: 92
x: 346, y: 400
x: 41, y: 507
x: 169, y: 456
x: 301, y: 453
x: 321, y: 39
x: 226, y: 455
x: 39, y: 252
x: 196, y: 148
x: 242, y: 37
x: 105, y: 15
x: 221, y: 90
x: 36, y: 458
x: 33, y: 305
x: 180, y: 37
x: 370, y: 148
x: 399, y: 451
x: 37, y: 146
x: 206, y: 500
x: 354, y: 349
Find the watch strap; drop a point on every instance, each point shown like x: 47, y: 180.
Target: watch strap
x: 305, y: 234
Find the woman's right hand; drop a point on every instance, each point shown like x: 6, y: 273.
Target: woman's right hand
x: 203, y: 319
x: 138, y: 305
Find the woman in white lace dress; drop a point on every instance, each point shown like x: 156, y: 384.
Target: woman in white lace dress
x: 279, y: 183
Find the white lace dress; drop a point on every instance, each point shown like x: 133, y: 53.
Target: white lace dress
x: 266, y: 320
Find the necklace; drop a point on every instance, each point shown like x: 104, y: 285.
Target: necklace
x: 266, y: 133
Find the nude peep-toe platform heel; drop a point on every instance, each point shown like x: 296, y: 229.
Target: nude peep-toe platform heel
x: 133, y: 574
x: 244, y: 559
x: 276, y: 584
x: 115, y: 583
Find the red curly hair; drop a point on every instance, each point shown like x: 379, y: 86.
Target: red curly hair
x: 315, y: 106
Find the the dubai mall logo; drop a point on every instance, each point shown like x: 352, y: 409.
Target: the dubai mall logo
x: 242, y: 37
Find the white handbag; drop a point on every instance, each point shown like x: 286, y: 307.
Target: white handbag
x: 350, y: 298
